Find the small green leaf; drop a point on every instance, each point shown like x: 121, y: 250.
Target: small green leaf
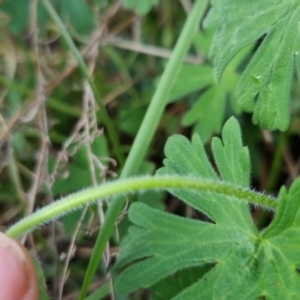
x: 101, y: 293
x: 210, y: 103
x: 267, y: 79
x: 231, y: 157
x: 141, y: 6
x: 131, y: 122
x: 203, y: 40
x: 72, y: 179
x: 76, y: 174
x: 70, y: 221
x: 79, y: 14
x: 213, y: 100
x: 191, y: 78
x: 18, y: 12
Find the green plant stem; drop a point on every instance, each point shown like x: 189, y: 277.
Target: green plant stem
x: 277, y: 162
x: 145, y: 134
x: 100, y: 293
x: 15, y: 176
x: 122, y: 187
x: 103, y: 112
x: 273, y: 176
x: 160, y: 97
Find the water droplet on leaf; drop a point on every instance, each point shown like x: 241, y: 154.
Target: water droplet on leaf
x: 256, y: 78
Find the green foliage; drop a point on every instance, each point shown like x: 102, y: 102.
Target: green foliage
x: 267, y: 78
x: 140, y: 6
x: 43, y: 295
x: 220, y: 254
x: 78, y: 14
x: 100, y: 293
x: 247, y: 264
x: 76, y: 174
x: 214, y: 96
x: 146, y: 132
x: 171, y: 286
x: 18, y: 11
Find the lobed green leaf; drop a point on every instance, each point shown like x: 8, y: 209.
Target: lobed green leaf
x: 243, y: 263
x: 214, y: 96
x: 267, y: 80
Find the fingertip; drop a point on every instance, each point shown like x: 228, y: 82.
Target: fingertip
x: 18, y: 280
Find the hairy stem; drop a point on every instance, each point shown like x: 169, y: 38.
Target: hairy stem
x: 120, y: 187
x: 145, y: 134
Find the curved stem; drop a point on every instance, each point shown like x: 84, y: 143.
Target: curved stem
x: 125, y: 186
x: 145, y: 134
